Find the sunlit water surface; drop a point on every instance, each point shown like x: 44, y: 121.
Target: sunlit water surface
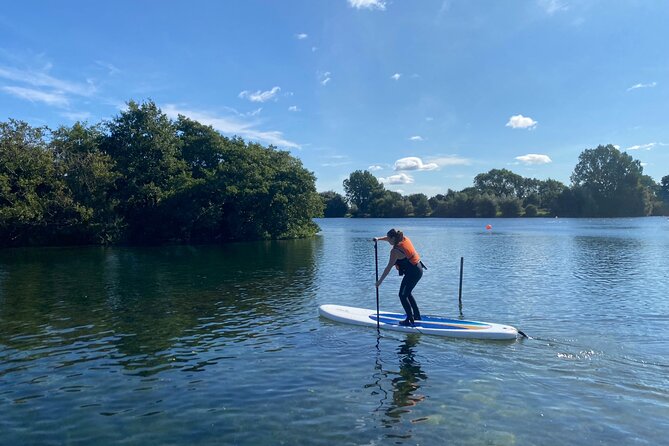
x: 224, y: 345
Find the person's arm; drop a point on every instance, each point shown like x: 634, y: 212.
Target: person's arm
x: 391, y: 262
x: 381, y: 239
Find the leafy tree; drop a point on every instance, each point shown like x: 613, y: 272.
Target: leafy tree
x: 531, y: 210
x: 144, y: 178
x: 664, y: 189
x: 500, y: 182
x: 421, y: 205
x: 361, y: 189
x: 612, y: 180
x: 144, y: 145
x: 549, y: 191
x: 35, y: 203
x: 334, y: 203
x: 510, y: 207
x: 485, y: 206
x: 202, y: 147
x: 390, y: 204
x: 90, y: 176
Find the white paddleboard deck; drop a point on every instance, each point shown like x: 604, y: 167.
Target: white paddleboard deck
x: 430, y: 325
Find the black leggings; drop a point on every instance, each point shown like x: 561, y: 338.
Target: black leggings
x: 411, y: 277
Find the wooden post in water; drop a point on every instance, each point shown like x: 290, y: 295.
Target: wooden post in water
x: 462, y: 261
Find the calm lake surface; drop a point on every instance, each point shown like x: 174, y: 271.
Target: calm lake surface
x: 224, y: 345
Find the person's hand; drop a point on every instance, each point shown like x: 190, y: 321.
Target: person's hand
x: 375, y: 239
x: 378, y: 283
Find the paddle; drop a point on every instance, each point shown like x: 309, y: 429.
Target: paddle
x: 376, y: 263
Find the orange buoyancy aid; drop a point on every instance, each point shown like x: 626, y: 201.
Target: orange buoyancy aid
x: 406, y: 247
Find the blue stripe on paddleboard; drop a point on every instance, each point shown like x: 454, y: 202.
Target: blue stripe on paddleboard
x: 435, y: 319
x: 458, y: 325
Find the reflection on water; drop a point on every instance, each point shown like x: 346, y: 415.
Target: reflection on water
x: 399, y: 388
x: 148, y: 309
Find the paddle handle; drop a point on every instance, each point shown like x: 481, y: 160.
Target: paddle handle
x: 376, y: 264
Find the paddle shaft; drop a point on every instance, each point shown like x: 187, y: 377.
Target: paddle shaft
x: 462, y: 262
x: 376, y: 263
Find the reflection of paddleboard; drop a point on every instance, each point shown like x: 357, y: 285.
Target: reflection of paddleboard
x: 432, y: 325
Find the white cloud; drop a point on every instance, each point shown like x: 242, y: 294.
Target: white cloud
x: 324, y: 78
x: 396, y: 76
x: 301, y: 36
x: 375, y: 167
x: 533, y: 158
x: 416, y: 138
x: 43, y: 79
x: 260, y: 96
x: 232, y: 125
x: 553, y: 6
x: 294, y: 108
x: 413, y: 163
x: 450, y: 160
x: 368, y: 4
x: 521, y: 122
x: 401, y: 178
x: 57, y: 99
x: 648, y: 146
x: 637, y: 86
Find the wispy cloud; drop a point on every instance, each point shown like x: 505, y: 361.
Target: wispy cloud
x: 336, y: 161
x: 294, y: 108
x: 232, y: 125
x: 414, y: 163
x: 368, y: 4
x: 416, y: 138
x: 553, y: 6
x: 324, y: 78
x: 374, y: 168
x: 111, y: 69
x: 43, y: 79
x: 637, y: 86
x: 260, y: 96
x: 450, y: 160
x: 401, y: 178
x: 301, y: 36
x: 396, y: 76
x: 521, y: 122
x: 57, y: 99
x: 648, y: 146
x: 533, y: 159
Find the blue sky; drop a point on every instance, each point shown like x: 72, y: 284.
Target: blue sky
x: 425, y: 94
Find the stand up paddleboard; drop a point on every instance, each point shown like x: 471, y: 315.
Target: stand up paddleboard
x: 429, y: 325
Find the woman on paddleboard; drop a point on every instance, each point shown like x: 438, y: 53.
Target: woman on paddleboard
x: 404, y: 257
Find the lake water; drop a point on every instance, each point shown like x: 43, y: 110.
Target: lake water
x: 224, y: 345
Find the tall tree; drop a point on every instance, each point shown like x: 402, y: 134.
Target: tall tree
x: 361, y: 189
x: 421, y: 205
x: 500, y: 182
x: 335, y: 204
x: 613, y: 181
x: 89, y: 173
x: 36, y: 207
x: 144, y: 145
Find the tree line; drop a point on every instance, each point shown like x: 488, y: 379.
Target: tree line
x: 605, y: 183
x: 143, y: 178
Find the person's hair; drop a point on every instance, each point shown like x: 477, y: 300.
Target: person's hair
x: 396, y: 234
